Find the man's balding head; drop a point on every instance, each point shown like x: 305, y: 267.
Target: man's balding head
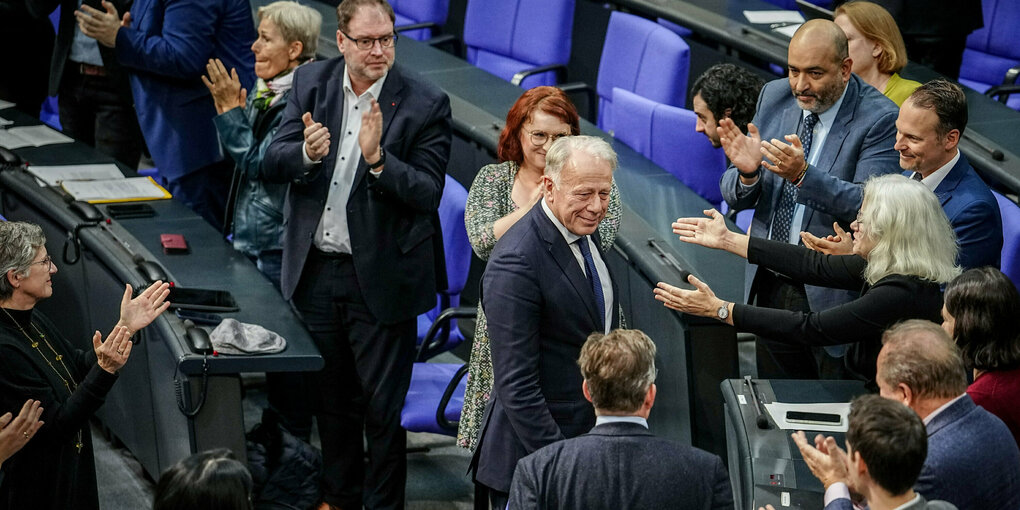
x: 819, y: 65
x: 920, y: 365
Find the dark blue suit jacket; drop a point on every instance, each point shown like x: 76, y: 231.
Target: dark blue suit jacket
x: 540, y: 310
x: 858, y: 146
x: 974, y: 215
x: 166, y: 49
x: 973, y: 460
x: 394, y: 227
x: 617, y: 466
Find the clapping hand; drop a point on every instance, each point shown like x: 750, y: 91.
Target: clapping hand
x: 225, y: 87
x: 371, y: 134
x: 743, y: 150
x: 316, y: 138
x: 112, y: 354
x: 784, y: 159
x: 137, y: 313
x: 827, y: 461
x: 839, y: 244
x: 102, y: 26
x: 15, y: 431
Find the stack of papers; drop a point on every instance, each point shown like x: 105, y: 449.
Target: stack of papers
x: 31, y: 136
x: 6, y: 104
x: 100, y: 183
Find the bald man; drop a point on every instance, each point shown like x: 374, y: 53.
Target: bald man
x: 814, y: 138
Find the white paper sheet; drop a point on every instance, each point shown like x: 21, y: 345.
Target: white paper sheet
x: 778, y: 412
x: 115, y: 190
x: 774, y: 16
x: 5, y: 122
x: 39, y: 135
x: 12, y: 140
x: 53, y: 175
x: 788, y: 30
x: 6, y: 104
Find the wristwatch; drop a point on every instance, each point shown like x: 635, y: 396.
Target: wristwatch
x: 723, y: 312
x: 382, y: 160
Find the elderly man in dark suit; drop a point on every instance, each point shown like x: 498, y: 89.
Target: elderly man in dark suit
x: 545, y: 289
x: 886, y: 447
x: 973, y: 460
x: 620, y: 463
x: 364, y: 145
x: 822, y: 131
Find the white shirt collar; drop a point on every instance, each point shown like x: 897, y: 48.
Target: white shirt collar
x: 914, y: 501
x: 374, y: 90
x: 601, y: 420
x: 935, y: 178
x: 568, y: 236
x: 941, y: 408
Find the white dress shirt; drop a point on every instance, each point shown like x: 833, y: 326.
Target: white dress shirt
x: 600, y: 420
x: 333, y: 234
x: 935, y: 178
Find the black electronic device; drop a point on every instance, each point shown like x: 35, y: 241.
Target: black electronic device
x: 813, y: 418
x: 205, y: 300
x: 208, y: 319
x: 127, y: 211
x: 198, y: 338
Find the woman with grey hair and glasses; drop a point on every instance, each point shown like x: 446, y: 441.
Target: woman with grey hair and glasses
x: 55, y: 470
x: 904, y: 251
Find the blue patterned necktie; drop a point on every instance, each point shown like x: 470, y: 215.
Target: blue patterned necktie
x: 788, y: 198
x: 593, y: 280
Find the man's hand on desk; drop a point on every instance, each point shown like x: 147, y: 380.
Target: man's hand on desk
x: 827, y: 461
x: 102, y: 26
x: 743, y: 150
x: 316, y: 138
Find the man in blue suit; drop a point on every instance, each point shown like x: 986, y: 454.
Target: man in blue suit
x: 838, y: 132
x: 165, y: 46
x: 886, y: 446
x: 364, y: 144
x: 545, y: 289
x: 929, y: 128
x: 620, y: 463
x: 973, y: 461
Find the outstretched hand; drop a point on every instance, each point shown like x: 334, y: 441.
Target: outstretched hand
x: 137, y: 313
x: 708, y: 232
x: 838, y: 244
x: 701, y: 301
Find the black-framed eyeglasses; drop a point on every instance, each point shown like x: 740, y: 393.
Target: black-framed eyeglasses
x: 47, y: 262
x: 367, y: 43
x: 538, y: 138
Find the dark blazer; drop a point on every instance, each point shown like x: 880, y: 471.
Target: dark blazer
x: 540, y: 310
x: 918, y: 504
x: 972, y: 461
x: 165, y: 51
x: 65, y: 37
x: 974, y: 214
x: 858, y: 146
x: 860, y: 322
x: 395, y: 237
x: 620, y: 465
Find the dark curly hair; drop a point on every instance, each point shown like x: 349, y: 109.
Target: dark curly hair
x: 985, y: 305
x: 725, y: 86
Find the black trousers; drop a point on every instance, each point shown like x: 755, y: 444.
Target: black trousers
x: 99, y: 111
x: 205, y: 190
x: 361, y: 389
x: 777, y: 359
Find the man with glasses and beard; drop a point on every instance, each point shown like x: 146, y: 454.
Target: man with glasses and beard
x: 815, y: 137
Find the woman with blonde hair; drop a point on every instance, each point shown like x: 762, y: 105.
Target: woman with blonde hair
x: 876, y: 48
x: 904, y: 250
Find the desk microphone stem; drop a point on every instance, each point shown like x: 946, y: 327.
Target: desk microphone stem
x: 760, y: 419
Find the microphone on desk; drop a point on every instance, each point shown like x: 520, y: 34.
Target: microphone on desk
x: 760, y: 420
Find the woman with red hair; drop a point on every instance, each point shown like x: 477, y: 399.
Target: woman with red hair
x: 503, y: 193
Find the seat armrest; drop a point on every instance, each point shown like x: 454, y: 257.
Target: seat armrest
x: 434, y: 341
x: 445, y: 401
x: 588, y: 91
x: 561, y: 71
